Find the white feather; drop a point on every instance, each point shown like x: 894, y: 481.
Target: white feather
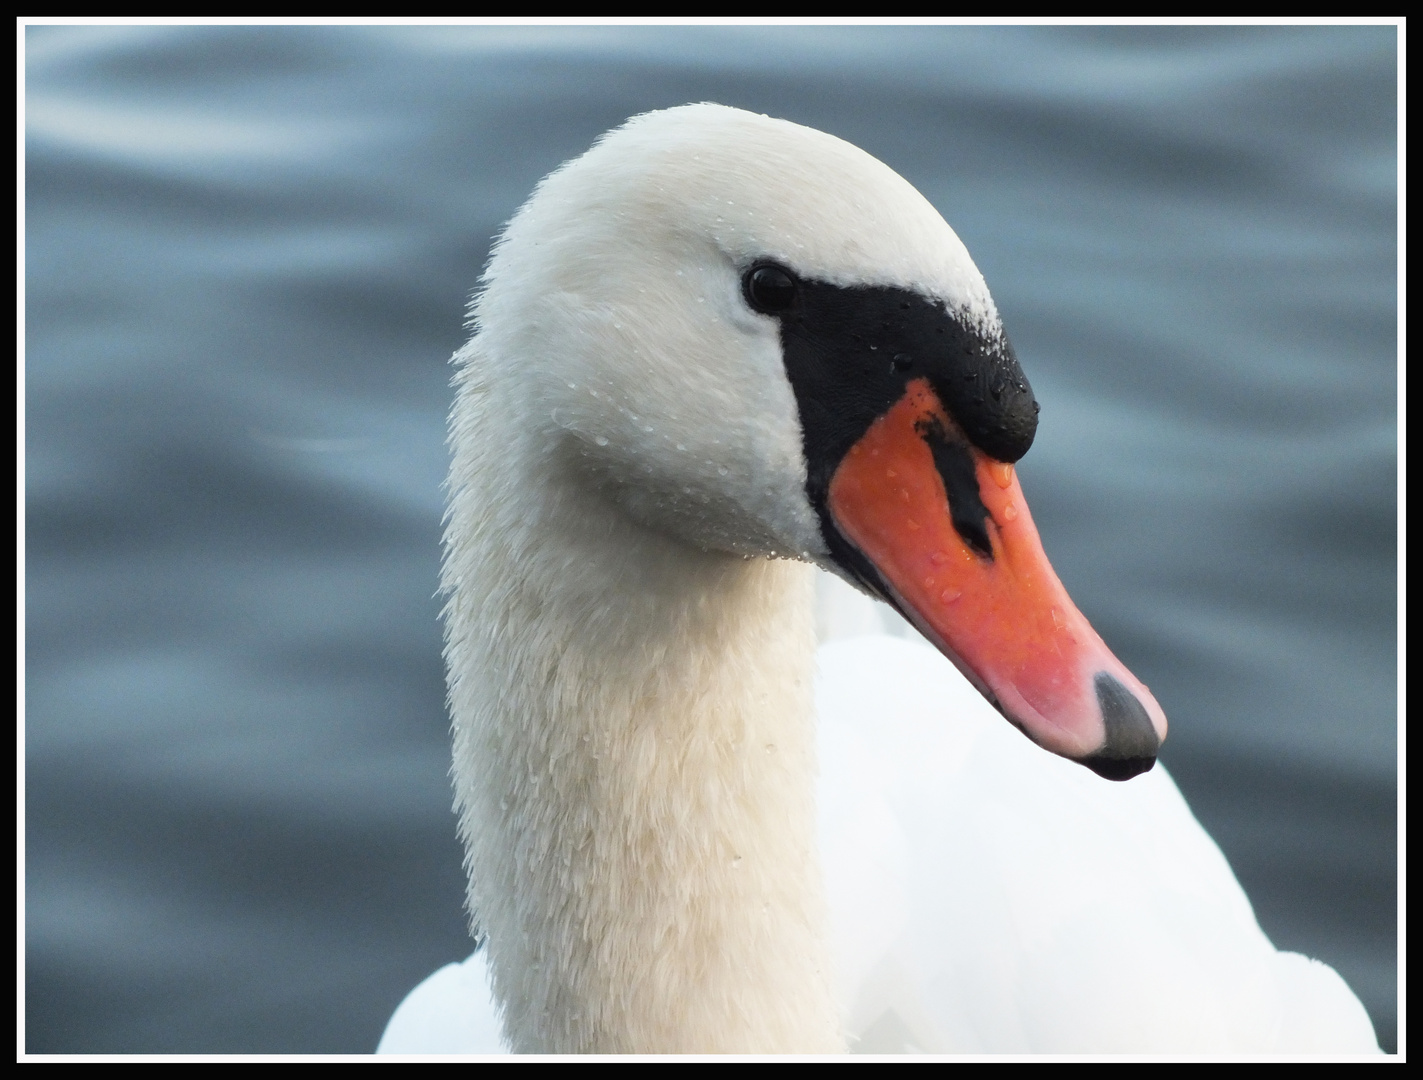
x: 633, y: 688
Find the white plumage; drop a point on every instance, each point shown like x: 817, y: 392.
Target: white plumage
x: 638, y: 718
x: 979, y: 889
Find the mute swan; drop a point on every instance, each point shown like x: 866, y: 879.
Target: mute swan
x: 714, y: 352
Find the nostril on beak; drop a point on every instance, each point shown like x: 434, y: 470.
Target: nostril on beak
x: 1131, y: 743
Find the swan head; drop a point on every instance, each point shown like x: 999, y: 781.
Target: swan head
x: 757, y: 338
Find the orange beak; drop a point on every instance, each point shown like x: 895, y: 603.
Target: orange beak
x: 948, y: 530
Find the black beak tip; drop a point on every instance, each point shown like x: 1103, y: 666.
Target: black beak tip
x: 1118, y: 768
x: 1131, y: 744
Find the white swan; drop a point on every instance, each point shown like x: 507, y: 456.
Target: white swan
x: 713, y: 350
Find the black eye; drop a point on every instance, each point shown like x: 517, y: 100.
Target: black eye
x: 769, y: 288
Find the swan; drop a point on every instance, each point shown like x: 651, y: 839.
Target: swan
x: 713, y: 357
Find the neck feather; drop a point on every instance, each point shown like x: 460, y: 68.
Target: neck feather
x: 634, y: 769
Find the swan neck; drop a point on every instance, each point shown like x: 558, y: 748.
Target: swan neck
x: 634, y: 770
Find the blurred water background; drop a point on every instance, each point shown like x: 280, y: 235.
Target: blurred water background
x: 248, y: 255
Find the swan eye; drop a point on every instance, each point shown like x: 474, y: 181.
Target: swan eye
x: 769, y: 288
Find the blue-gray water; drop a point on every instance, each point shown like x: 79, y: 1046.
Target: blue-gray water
x: 248, y: 253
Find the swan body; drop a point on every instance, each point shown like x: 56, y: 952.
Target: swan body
x: 941, y: 831
x: 674, y: 405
